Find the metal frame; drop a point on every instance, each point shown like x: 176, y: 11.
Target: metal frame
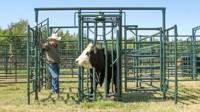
x: 80, y: 26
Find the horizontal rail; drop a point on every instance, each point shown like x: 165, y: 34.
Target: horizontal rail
x: 101, y: 8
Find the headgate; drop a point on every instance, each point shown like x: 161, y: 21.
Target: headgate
x: 101, y: 24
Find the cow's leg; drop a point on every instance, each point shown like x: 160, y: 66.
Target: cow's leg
x: 91, y: 81
x: 108, y: 86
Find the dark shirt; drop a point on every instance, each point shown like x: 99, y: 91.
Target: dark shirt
x: 53, y: 53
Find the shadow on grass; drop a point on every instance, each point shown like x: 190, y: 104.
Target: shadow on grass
x: 62, y: 96
x: 189, y: 96
x: 185, y: 96
x: 142, y: 96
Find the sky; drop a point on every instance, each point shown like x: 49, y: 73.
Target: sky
x: 183, y: 13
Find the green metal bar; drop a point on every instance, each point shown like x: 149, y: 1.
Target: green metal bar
x: 82, y: 70
x: 106, y: 62
x: 161, y: 58
x: 95, y: 15
x: 87, y: 33
x: 28, y: 72
x: 151, y: 62
x: 145, y: 29
x: 164, y: 59
x: 48, y: 31
x: 36, y: 56
x: 95, y: 38
x: 79, y: 68
x: 194, y: 64
x: 144, y: 42
x: 51, y: 27
x: 13, y: 35
x: 32, y: 58
x: 15, y: 60
x: 125, y: 57
x: 7, y: 63
x: 39, y: 61
x: 100, y: 8
x: 138, y: 46
x: 119, y: 40
x: 176, y: 77
x: 112, y: 58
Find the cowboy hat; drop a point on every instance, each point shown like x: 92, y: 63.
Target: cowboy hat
x: 54, y: 36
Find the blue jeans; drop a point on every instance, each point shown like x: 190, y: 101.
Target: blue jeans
x: 54, y: 70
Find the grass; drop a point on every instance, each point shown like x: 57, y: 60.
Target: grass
x: 13, y: 98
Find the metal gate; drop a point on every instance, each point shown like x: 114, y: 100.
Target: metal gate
x: 100, y: 27
x: 143, y: 62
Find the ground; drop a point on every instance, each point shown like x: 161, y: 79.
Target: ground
x: 14, y: 99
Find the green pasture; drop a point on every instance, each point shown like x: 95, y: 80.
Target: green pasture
x: 13, y: 98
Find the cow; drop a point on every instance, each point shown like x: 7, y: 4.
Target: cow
x: 95, y: 57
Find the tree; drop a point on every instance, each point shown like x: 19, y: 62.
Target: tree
x: 13, y: 29
x: 18, y: 28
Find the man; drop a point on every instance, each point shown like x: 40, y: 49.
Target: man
x: 53, y: 56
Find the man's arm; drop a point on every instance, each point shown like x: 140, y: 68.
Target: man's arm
x: 43, y: 46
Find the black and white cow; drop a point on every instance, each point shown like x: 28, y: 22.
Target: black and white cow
x: 95, y: 57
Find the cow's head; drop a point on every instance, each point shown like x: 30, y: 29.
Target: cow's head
x: 84, y: 58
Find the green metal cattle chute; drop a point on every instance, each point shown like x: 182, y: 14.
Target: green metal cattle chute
x: 106, y: 27
x: 96, y: 24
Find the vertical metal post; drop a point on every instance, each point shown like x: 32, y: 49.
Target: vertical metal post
x: 82, y: 70
x: 95, y: 29
x: 39, y: 62
x: 94, y: 84
x: 27, y: 66
x: 87, y: 33
x: 79, y: 49
x: 7, y: 64
x: 15, y: 63
x: 112, y: 58
x: 151, y: 60
x: 119, y: 40
x: 175, y: 52
x: 125, y: 56
x: 36, y: 56
x: 94, y: 43
x: 88, y: 71
x: 48, y: 28
x: 106, y: 61
x: 194, y: 57
x: 161, y: 59
x: 164, y: 55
